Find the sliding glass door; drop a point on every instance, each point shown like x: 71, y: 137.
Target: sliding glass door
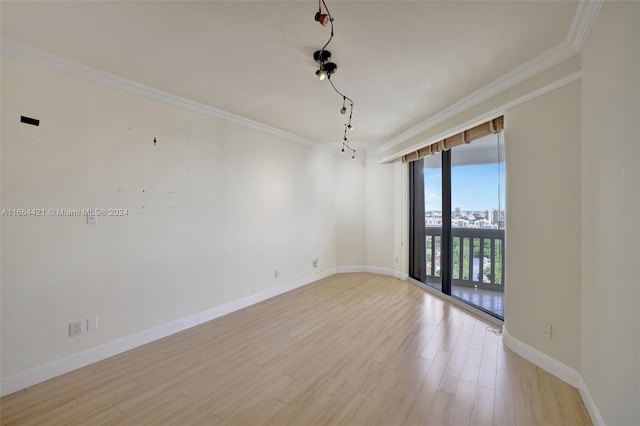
x: 427, y: 235
x: 457, y: 223
x: 477, y: 224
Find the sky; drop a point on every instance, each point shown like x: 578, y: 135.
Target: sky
x: 473, y: 187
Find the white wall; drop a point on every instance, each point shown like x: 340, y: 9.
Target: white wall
x: 543, y: 242
x: 213, y: 210
x: 366, y: 212
x: 351, y: 226
x: 611, y: 213
x: 380, y: 211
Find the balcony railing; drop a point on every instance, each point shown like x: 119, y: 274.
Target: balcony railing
x: 478, y: 257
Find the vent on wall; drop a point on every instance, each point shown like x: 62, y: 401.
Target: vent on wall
x: 29, y: 120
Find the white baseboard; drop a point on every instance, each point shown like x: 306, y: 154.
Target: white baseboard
x: 381, y: 271
x: 350, y: 269
x: 558, y: 369
x: 371, y: 270
x: 540, y: 359
x: 219, y: 311
x: 82, y: 359
x: 590, y: 403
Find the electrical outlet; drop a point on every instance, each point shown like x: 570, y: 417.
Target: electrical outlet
x: 276, y: 273
x: 75, y: 328
x: 315, y: 263
x: 546, y: 330
x: 92, y: 219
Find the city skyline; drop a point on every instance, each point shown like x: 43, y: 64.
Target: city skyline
x: 473, y: 187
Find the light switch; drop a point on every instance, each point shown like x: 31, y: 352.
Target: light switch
x: 92, y: 324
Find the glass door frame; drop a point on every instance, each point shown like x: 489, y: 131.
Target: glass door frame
x: 417, y: 235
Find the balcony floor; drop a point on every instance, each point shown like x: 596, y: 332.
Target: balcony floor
x: 489, y: 300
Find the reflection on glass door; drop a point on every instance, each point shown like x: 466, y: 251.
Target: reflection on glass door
x: 477, y: 224
x: 433, y: 220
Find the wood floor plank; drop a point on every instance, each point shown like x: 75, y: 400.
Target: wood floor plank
x: 440, y: 409
x: 488, y: 361
x: 504, y: 413
x: 98, y: 416
x: 425, y: 396
x: 356, y: 349
x: 465, y: 393
x: 482, y: 412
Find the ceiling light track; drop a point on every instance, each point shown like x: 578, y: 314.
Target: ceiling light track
x: 326, y: 68
x: 323, y: 19
x: 353, y: 151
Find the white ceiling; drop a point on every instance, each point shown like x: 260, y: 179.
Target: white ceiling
x: 400, y: 61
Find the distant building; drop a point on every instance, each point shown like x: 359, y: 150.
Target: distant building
x: 484, y: 224
x: 460, y: 223
x: 433, y: 221
x: 494, y: 216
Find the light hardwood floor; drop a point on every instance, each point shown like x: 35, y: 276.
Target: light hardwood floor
x: 352, y: 349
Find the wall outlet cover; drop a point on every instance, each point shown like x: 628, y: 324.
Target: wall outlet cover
x: 546, y: 331
x: 75, y: 328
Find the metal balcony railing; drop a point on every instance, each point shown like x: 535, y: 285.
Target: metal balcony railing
x: 478, y: 257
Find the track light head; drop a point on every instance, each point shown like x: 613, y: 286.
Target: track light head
x: 343, y: 110
x: 326, y: 68
x: 349, y: 127
x: 353, y: 157
x: 342, y: 148
x: 329, y: 68
x: 322, y: 18
x: 321, y: 56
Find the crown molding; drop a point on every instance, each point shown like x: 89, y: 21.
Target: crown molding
x: 12, y: 49
x: 530, y: 68
x: 583, y: 19
x: 496, y: 112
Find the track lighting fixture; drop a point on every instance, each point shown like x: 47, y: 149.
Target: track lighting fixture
x: 322, y: 18
x: 343, y: 110
x: 327, y: 68
x: 345, y: 145
x: 322, y: 56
